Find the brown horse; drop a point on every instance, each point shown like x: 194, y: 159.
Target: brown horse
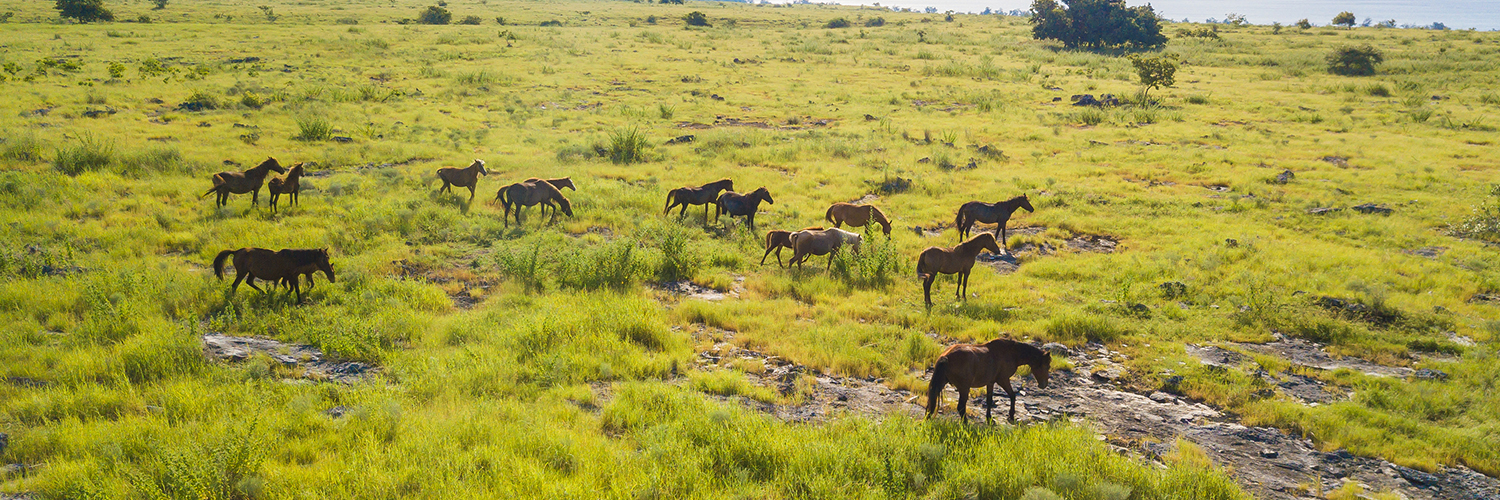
x: 776, y: 240
x: 462, y: 177
x: 957, y: 260
x: 276, y: 267
x: 701, y: 195
x: 559, y: 183
x: 967, y: 366
x: 249, y: 181
x: 824, y: 242
x: 525, y: 194
x: 857, y: 216
x: 989, y: 213
x: 288, y: 185
x: 742, y: 205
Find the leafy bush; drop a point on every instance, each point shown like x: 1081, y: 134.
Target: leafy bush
x: 84, y: 11
x: 679, y: 258
x: 435, y: 15
x: 627, y: 146
x: 875, y: 22
x: 1095, y: 24
x: 615, y: 265
x: 837, y: 22
x: 1484, y: 222
x: 1154, y: 72
x: 1354, y: 61
x: 313, y: 128
x: 89, y: 154
x: 696, y: 18
x: 471, y: 20
x: 876, y: 265
x: 1303, y: 24
x: 1345, y: 19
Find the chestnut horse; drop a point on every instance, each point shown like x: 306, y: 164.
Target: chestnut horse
x: 824, y: 242
x: 288, y: 185
x: 989, y: 213
x: 276, y: 267
x: 528, y: 193
x: 249, y: 181
x: 967, y: 366
x: 776, y: 240
x: 742, y: 205
x: 462, y: 177
x: 957, y: 260
x: 701, y: 195
x: 857, y: 216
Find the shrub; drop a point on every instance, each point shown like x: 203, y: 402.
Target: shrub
x: 837, y: 22
x: 679, y: 260
x: 471, y: 20
x: 627, y: 146
x: 875, y: 22
x: 252, y: 100
x: 1354, y: 61
x: 550, y: 23
x: 1155, y: 72
x: 160, y: 4
x: 1345, y: 19
x: 696, y: 18
x: 21, y: 148
x: 89, y: 154
x: 435, y: 15
x: 199, y: 101
x: 1303, y: 24
x: 1484, y: 222
x: 84, y: 11
x: 313, y: 128
x: 1096, y: 24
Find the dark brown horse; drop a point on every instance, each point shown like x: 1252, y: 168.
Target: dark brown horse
x: 528, y: 193
x: 289, y: 185
x: 701, y: 195
x: 462, y: 177
x: 249, y: 181
x: 957, y: 260
x: 559, y: 183
x: 777, y: 240
x: 276, y: 267
x: 857, y: 216
x: 742, y: 205
x: 967, y: 366
x: 989, y: 213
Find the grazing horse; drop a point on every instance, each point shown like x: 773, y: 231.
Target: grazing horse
x: 276, y: 267
x: 824, y: 242
x: 989, y: 213
x: 967, y: 366
x: 525, y: 194
x: 559, y: 183
x: 288, y: 185
x: 462, y: 177
x: 957, y: 260
x: 701, y: 195
x: 742, y: 205
x: 249, y: 181
x: 776, y: 240
x: 857, y: 216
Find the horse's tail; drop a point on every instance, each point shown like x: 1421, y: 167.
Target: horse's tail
x: 829, y: 215
x: 504, y: 200
x: 922, y: 271
x: 935, y: 387
x: 212, y: 189
x: 958, y: 220
x: 219, y: 263
x: 771, y: 239
x: 668, y: 208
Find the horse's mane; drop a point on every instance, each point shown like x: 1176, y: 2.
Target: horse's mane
x: 1016, y: 199
x: 302, y: 257
x: 268, y: 163
x: 1028, y: 352
x: 719, y: 183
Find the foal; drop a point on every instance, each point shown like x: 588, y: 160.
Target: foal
x: 777, y: 240
x: 288, y: 186
x: 249, y: 181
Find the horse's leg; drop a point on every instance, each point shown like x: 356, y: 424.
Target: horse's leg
x: 927, y: 289
x: 989, y: 403
x: 251, y: 281
x: 963, y: 402
x: 239, y: 275
x: 471, y: 192
x: 1004, y: 236
x: 1011, y: 392
x: 255, y: 197
x: 751, y: 218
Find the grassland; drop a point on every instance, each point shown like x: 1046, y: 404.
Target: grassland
x: 567, y: 376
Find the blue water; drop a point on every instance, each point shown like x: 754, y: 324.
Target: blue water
x: 1455, y: 14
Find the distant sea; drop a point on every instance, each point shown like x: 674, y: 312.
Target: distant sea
x: 1455, y: 14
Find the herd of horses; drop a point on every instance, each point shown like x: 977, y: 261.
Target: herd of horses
x: 965, y: 366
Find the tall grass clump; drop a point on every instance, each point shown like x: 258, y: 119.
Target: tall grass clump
x: 526, y: 265
x: 88, y: 154
x: 21, y: 148
x: 679, y: 259
x: 313, y: 128
x: 1082, y: 326
x: 151, y: 160
x: 615, y: 265
x: 876, y: 265
x: 1483, y: 223
x: 627, y: 146
x: 223, y: 470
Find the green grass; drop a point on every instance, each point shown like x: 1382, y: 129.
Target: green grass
x: 559, y: 365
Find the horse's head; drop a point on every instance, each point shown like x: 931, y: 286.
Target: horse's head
x: 851, y: 238
x: 296, y: 169
x: 1039, y: 367
x: 271, y: 164
x: 565, y: 205
x: 1026, y: 203
x: 324, y: 265
x: 479, y: 164
x: 985, y: 241
x: 763, y: 194
x: 565, y: 182
x: 725, y: 184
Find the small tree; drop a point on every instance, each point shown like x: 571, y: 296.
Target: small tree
x: 1096, y: 24
x: 1304, y: 24
x: 160, y: 4
x: 471, y: 20
x: 1345, y: 19
x: 696, y: 18
x: 837, y: 22
x: 1155, y: 72
x: 1354, y: 61
x: 84, y: 11
x: 435, y: 15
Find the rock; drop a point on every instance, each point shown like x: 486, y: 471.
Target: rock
x: 204, y: 125
x: 1340, y: 454
x: 1171, y: 384
x: 870, y: 118
x: 1056, y: 99
x: 681, y: 139
x: 1285, y: 176
x: 716, y: 97
x: 1057, y: 349
x: 1337, y: 161
x: 1269, y: 453
x: 1162, y: 397
x: 1108, y: 373
x: 1371, y: 208
x: 1416, y: 477
x: 1430, y: 374
x: 337, y: 411
x: 96, y: 113
x: 924, y: 159
x: 1322, y: 210
x: 342, y: 140
x: 243, y: 60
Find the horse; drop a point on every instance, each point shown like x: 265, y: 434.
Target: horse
x: 249, y: 181
x: 276, y: 267
x: 823, y: 242
x: 462, y: 177
x: 989, y: 213
x: 957, y: 260
x: 525, y: 194
x: 742, y: 205
x: 776, y: 240
x: 288, y: 185
x: 559, y: 183
x: 701, y: 195
x: 857, y: 216
x: 967, y: 366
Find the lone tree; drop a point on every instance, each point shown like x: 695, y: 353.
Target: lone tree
x: 1155, y: 72
x: 1345, y: 19
x: 1354, y: 61
x: 84, y: 11
x: 696, y: 18
x: 1096, y: 23
x: 435, y: 15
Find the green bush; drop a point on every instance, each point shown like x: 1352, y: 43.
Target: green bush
x: 837, y: 22
x: 88, y: 154
x: 84, y: 11
x: 696, y: 18
x: 627, y: 146
x: 313, y: 128
x: 471, y: 20
x: 1354, y: 61
x: 435, y: 15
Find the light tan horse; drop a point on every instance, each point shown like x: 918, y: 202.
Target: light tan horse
x: 825, y: 242
x: 967, y: 366
x: 249, y: 181
x: 957, y: 260
x: 777, y: 240
x: 526, y: 193
x: 857, y: 216
x: 289, y: 185
x: 462, y: 177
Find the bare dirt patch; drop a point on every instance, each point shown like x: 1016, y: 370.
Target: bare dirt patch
x: 461, y: 291
x: 306, y: 360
